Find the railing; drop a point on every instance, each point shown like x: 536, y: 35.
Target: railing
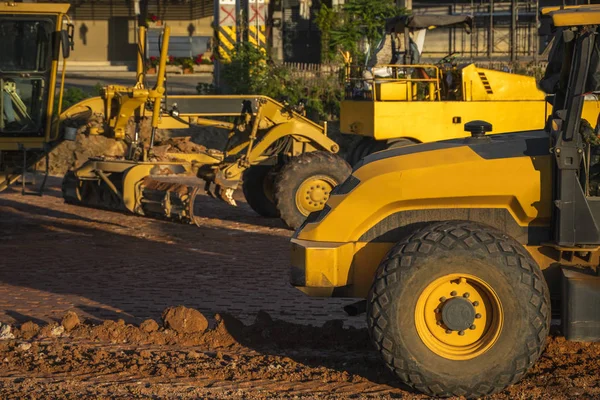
x: 309, y: 70
x: 414, y: 82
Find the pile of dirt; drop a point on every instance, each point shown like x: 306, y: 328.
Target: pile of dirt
x: 181, y: 145
x: 189, y: 327
x: 196, y: 139
x: 70, y: 155
x: 178, y: 145
x: 190, y: 355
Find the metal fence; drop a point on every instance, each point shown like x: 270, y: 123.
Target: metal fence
x: 309, y: 70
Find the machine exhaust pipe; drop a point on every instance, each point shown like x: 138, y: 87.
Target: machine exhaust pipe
x: 356, y: 308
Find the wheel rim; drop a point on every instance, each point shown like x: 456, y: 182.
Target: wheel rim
x: 313, y: 193
x: 459, y: 316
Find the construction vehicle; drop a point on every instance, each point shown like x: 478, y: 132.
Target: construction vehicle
x: 287, y: 163
x: 464, y: 249
x: 397, y: 100
x: 34, y: 35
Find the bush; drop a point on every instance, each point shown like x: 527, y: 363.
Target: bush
x: 252, y: 72
x: 186, y: 62
x: 73, y: 95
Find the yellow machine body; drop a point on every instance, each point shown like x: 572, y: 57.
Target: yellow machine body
x: 152, y: 181
x: 395, y: 110
x: 12, y: 145
x: 465, y: 249
x: 260, y: 130
x: 338, y: 253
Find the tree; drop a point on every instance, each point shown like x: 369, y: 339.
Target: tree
x: 358, y: 21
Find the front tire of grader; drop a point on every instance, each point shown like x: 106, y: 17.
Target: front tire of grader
x: 257, y: 186
x: 304, y: 184
x: 459, y: 309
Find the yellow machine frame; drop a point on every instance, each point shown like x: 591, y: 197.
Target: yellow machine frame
x: 260, y: 123
x: 333, y: 255
x: 12, y: 144
x: 407, y: 107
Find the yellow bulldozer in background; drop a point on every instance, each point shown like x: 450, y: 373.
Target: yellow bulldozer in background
x: 464, y: 249
x: 397, y: 100
x: 286, y: 162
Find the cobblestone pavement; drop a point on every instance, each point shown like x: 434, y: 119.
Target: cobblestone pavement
x: 108, y: 265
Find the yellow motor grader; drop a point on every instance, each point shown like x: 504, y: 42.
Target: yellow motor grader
x: 286, y: 162
x: 396, y: 100
x: 464, y: 249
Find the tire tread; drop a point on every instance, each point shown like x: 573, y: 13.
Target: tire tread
x: 286, y: 180
x: 425, y: 242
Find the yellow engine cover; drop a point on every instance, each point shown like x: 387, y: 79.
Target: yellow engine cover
x: 510, y: 102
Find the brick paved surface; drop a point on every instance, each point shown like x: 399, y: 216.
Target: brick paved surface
x: 107, y: 265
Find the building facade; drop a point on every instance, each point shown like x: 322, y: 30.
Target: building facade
x: 106, y: 30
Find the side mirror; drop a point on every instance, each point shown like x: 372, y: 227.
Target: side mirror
x: 66, y: 38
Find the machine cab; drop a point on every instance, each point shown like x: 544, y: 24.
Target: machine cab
x: 30, y: 39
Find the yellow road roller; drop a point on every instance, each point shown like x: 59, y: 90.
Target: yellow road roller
x: 465, y: 249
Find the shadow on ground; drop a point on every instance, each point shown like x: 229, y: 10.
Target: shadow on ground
x: 115, y: 266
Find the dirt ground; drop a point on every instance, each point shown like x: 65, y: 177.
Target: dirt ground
x: 84, y: 293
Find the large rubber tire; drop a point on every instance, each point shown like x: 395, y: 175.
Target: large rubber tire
x: 397, y: 143
x: 257, y: 182
x: 425, y: 257
x: 365, y: 147
x: 300, y: 170
x: 368, y: 146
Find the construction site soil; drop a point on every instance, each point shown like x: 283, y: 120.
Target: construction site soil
x: 268, y: 359
x: 89, y: 305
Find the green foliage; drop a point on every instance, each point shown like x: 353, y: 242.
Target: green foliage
x: 326, y: 20
x: 356, y: 22
x: 205, y: 88
x: 186, y: 62
x: 73, y: 95
x: 251, y: 72
x: 96, y: 90
x: 248, y: 72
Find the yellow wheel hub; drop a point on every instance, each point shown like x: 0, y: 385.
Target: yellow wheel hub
x: 459, y: 316
x: 313, y: 193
